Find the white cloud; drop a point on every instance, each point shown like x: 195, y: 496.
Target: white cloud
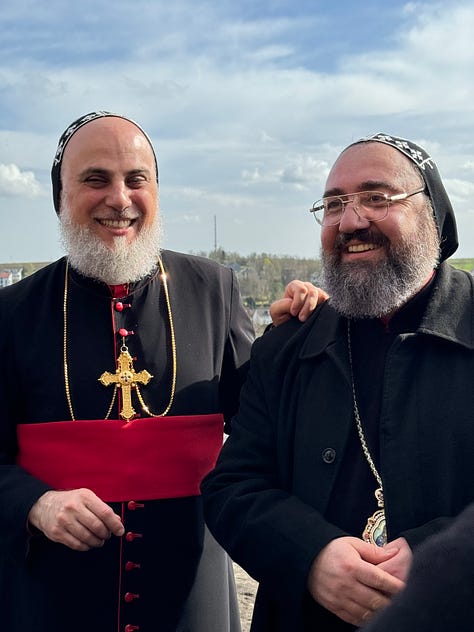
x: 459, y: 190
x: 254, y: 175
x: 184, y: 219
x: 302, y: 172
x: 14, y: 182
x: 247, y: 108
x: 468, y: 165
x: 206, y: 198
x: 306, y: 172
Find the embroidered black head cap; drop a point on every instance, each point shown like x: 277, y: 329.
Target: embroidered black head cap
x: 66, y: 137
x: 443, y: 210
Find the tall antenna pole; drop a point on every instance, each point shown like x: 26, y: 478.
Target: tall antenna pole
x: 215, y: 233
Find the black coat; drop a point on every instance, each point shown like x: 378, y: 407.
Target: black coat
x: 266, y: 500
x: 45, y: 586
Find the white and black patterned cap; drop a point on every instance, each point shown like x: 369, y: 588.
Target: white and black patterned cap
x: 443, y: 210
x: 66, y: 137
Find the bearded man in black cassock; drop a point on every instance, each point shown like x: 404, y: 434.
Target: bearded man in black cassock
x: 137, y: 355
x: 354, y: 438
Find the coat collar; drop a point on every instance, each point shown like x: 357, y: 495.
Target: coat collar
x: 449, y: 315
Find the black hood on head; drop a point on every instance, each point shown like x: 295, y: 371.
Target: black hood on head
x: 443, y: 210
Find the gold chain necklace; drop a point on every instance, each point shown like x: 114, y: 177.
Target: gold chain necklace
x: 173, y: 351
x: 375, y: 531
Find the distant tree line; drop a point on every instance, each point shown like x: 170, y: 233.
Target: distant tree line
x: 262, y: 276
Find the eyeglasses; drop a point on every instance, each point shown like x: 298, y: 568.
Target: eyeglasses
x: 370, y: 205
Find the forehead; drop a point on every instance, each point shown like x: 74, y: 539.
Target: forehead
x: 110, y: 143
x: 370, y: 162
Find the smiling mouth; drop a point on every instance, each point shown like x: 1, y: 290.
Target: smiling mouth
x: 116, y: 223
x: 361, y: 247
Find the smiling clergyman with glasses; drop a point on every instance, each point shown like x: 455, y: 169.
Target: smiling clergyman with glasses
x: 354, y: 438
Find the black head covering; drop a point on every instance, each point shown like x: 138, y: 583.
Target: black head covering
x: 443, y: 211
x: 65, y: 138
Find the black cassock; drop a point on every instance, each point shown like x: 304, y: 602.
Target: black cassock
x: 172, y: 585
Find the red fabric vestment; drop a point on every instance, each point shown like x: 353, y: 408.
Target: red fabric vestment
x: 146, y: 458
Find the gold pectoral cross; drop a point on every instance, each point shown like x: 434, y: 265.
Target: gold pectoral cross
x: 126, y: 379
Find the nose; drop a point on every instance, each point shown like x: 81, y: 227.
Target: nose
x: 118, y: 196
x: 351, y: 220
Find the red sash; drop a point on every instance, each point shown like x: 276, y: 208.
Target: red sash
x: 143, y: 459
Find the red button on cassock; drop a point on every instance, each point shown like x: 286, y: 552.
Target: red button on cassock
x: 119, y: 306
x: 132, y: 505
x: 131, y: 628
x: 130, y: 536
x: 130, y: 566
x: 129, y: 597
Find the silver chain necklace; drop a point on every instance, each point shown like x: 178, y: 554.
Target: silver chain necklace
x: 375, y: 531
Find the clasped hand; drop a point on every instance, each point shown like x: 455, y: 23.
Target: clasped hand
x: 76, y: 518
x: 354, y: 579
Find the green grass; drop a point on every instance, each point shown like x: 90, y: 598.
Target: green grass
x: 463, y: 264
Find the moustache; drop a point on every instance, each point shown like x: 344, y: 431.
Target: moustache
x: 363, y: 236
x: 125, y: 214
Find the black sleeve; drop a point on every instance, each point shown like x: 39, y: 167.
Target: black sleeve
x: 240, y: 335
x: 18, y: 490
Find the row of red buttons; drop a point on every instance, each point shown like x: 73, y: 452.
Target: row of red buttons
x: 130, y: 536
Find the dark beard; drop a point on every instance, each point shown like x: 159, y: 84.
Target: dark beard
x: 375, y: 289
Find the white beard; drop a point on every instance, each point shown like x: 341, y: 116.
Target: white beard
x: 122, y: 263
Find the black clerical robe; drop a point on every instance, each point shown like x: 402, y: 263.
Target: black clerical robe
x: 147, y: 582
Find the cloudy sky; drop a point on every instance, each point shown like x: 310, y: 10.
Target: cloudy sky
x: 248, y: 103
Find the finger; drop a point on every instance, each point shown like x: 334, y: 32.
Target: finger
x: 295, y: 287
x: 318, y: 293
x: 357, y: 605
x: 114, y: 524
x: 376, y: 554
x: 378, y: 579
x: 313, y: 297
x: 369, y: 599
x: 299, y: 302
x: 280, y: 311
x: 112, y: 521
x: 308, y: 307
x: 366, y: 616
x: 354, y: 614
x: 88, y: 520
x: 322, y: 296
x: 73, y: 534
x: 101, y: 519
x: 67, y: 539
x: 83, y: 539
x: 298, y: 292
x: 363, y: 603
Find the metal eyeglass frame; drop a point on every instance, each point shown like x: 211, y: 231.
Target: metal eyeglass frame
x: 354, y: 198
